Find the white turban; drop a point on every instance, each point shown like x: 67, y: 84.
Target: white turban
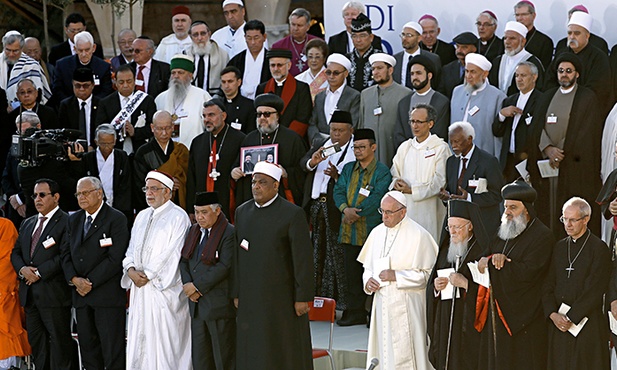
x: 339, y: 59
x: 478, y: 60
x: 163, y: 178
x: 581, y: 19
x: 227, y: 2
x: 269, y: 169
x: 516, y: 27
x: 396, y: 195
x: 382, y: 57
x: 415, y: 26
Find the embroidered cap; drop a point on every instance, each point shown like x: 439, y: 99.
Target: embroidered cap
x: 161, y: 177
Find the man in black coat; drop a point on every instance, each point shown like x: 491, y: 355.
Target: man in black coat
x: 489, y: 44
x: 205, y: 267
x: 538, y: 43
x: 473, y: 174
x: 430, y: 42
x: 92, y: 264
x: 517, y: 108
x: 151, y: 76
x: 212, y: 157
x: 240, y: 110
x: 101, y: 70
x: 341, y: 42
x: 43, y: 291
x: 136, y: 132
x: 73, y: 24
x: 78, y: 112
x: 28, y: 96
x: 452, y: 74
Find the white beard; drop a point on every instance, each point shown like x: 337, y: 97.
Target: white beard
x: 511, y: 229
x: 178, y: 91
x: 457, y: 250
x: 202, y: 50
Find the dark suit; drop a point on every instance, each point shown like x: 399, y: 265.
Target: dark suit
x: 63, y: 49
x: 213, y: 316
x: 68, y: 115
x: 158, y: 81
x: 118, y: 61
x: 446, y: 51
x: 338, y: 43
x: 349, y: 102
x: 47, y: 116
x: 297, y: 111
x: 540, y: 45
x: 63, y: 80
x: 398, y: 68
x: 47, y: 302
x: 492, y: 49
x: 122, y: 179
x: 241, y: 110
x: 493, y: 75
x: 239, y: 60
x: 402, y: 130
x: 481, y: 165
x: 101, y: 315
x: 109, y: 108
x: 522, y: 135
x: 451, y: 77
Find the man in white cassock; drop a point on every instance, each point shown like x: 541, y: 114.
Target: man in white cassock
x: 159, y: 325
x: 398, y: 257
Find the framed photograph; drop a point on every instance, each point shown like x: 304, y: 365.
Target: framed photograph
x: 250, y: 155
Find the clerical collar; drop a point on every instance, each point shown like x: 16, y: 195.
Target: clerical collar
x: 85, y: 64
x: 567, y: 91
x: 280, y: 83
x: 268, y: 202
x: 579, y: 238
x: 96, y: 213
x: 424, y: 93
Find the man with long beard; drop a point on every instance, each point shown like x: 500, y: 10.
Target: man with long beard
x: 209, y: 58
x: 477, y: 102
x: 466, y: 241
x: 513, y: 328
x: 183, y: 100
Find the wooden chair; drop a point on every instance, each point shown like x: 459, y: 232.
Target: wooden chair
x: 323, y: 309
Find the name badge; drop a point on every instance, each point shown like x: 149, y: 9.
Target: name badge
x: 105, y: 242
x: 473, y: 110
x: 48, y: 243
x: 429, y: 153
x: 182, y: 113
x: 244, y: 244
x: 236, y: 125
x: 377, y: 111
x: 139, y: 82
x: 528, y: 120
x: 552, y: 119
x: 365, y: 192
x: 97, y: 82
x: 473, y: 183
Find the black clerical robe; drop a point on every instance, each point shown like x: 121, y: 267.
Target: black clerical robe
x: 445, y: 51
x: 240, y: 113
x: 291, y: 148
x: 492, y: 48
x: 228, y: 143
x: 540, y: 45
x: 517, y: 289
x: 273, y: 268
x: 581, y: 288
x: 465, y: 338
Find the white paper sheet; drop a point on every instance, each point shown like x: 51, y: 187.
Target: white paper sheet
x: 546, y: 170
x: 575, y: 328
x: 448, y: 291
x: 479, y: 278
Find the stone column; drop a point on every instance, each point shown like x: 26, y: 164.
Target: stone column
x: 103, y: 17
x: 273, y: 13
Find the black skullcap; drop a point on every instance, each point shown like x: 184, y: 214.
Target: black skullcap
x: 341, y: 116
x: 469, y: 211
x: 521, y: 191
x: 572, y: 58
x: 206, y: 198
x: 83, y: 74
x: 279, y: 53
x: 364, y: 134
x: 425, y: 61
x: 361, y: 23
x: 215, y: 101
x: 466, y: 38
x: 269, y: 100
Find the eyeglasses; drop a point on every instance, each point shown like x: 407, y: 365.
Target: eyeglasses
x: 202, y: 33
x: 564, y: 220
x: 485, y: 25
x: 522, y: 14
x: 387, y: 212
x: 407, y: 35
x: 26, y: 92
x: 82, y: 86
x: 417, y: 122
x: 41, y: 194
x: 264, y: 114
x: 566, y: 70
x: 153, y: 189
x: 451, y: 228
x: 334, y: 73
x: 85, y: 193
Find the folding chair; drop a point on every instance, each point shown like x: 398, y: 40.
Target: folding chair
x: 323, y: 309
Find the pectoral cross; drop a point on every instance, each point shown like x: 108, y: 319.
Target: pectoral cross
x: 569, y: 269
x: 214, y: 174
x: 300, y: 65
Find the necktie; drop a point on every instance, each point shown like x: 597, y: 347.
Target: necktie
x: 200, y: 73
x: 463, y: 170
x: 408, y: 75
x: 37, y: 235
x: 87, y: 225
x: 82, y: 119
x: 202, y: 244
x: 140, y: 76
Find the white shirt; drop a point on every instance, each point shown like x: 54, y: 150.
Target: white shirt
x: 49, y: 216
x: 96, y: 213
x: 320, y: 181
x: 331, y: 101
x: 520, y: 103
x: 72, y: 46
x: 232, y: 42
x: 268, y: 202
x: 460, y: 166
x: 87, y: 108
x: 145, y: 72
x: 252, y: 73
x: 106, y: 174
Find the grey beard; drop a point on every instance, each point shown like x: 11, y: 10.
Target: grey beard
x: 471, y: 88
x: 178, y: 90
x: 512, y: 53
x: 512, y: 229
x: 457, y: 249
x: 202, y: 50
x: 268, y: 129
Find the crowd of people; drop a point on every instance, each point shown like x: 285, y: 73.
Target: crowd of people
x: 215, y: 184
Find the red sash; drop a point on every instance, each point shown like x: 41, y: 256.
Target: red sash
x: 289, y: 89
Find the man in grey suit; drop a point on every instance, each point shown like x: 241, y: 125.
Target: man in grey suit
x: 205, y: 268
x: 422, y: 73
x: 338, y: 96
x: 410, y: 39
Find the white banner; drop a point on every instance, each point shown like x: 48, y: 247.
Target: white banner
x: 455, y: 16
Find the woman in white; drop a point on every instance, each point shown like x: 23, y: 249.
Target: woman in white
x: 315, y: 76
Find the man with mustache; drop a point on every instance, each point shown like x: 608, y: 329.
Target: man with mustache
x: 453, y: 73
x: 179, y: 40
x: 209, y: 58
x: 126, y: 36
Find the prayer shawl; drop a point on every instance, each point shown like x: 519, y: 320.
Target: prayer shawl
x: 289, y: 89
x: 208, y: 255
x: 26, y: 67
x: 217, y: 60
x: 177, y: 167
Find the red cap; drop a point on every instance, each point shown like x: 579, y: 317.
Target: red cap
x: 580, y: 8
x: 427, y: 16
x: 180, y: 9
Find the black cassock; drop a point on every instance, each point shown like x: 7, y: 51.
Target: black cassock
x: 465, y: 338
x: 291, y: 148
x: 517, y: 288
x: 581, y: 288
x: 273, y: 269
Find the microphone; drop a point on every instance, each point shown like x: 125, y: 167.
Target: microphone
x: 374, y: 363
